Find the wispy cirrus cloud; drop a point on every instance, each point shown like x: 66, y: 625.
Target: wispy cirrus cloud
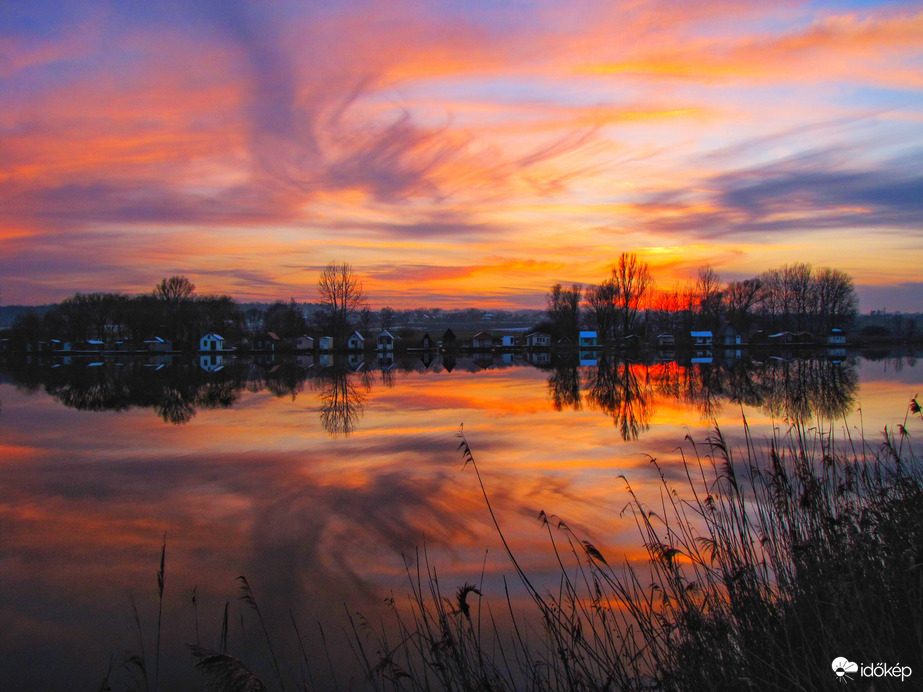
x: 811, y: 191
x: 844, y: 46
x: 422, y: 133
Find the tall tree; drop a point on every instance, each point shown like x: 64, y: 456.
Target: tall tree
x: 799, y: 288
x: 284, y: 319
x: 341, y: 294
x: 386, y: 317
x: 564, y: 309
x: 601, y: 302
x: 741, y: 299
x: 176, y: 295
x: 366, y: 318
x: 175, y: 290
x: 837, y: 302
x: 773, y: 305
x: 632, y: 279
x: 708, y: 297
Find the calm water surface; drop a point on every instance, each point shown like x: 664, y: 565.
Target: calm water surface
x: 320, y: 484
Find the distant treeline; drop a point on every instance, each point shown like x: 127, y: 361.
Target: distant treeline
x: 173, y: 311
x: 796, y: 297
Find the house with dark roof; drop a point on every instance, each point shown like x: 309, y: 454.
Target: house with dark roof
x: 482, y: 340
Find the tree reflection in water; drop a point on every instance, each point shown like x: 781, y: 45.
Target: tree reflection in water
x: 564, y: 387
x: 791, y: 390
x: 623, y: 391
x: 802, y: 389
x: 628, y: 392
x: 342, y: 400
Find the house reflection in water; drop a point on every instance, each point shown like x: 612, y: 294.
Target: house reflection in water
x: 212, y: 362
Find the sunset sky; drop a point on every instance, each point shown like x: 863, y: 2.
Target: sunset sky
x: 456, y: 153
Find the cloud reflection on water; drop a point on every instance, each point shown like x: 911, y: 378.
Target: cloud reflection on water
x: 255, y: 484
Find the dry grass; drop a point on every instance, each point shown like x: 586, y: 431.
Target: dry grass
x: 766, y: 563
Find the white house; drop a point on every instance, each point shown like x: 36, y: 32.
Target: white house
x: 836, y: 337
x: 385, y: 341
x: 702, y: 338
x: 212, y: 362
x: 355, y: 342
x: 588, y: 340
x: 211, y: 342
x: 325, y: 343
x: 538, y: 340
x: 304, y: 343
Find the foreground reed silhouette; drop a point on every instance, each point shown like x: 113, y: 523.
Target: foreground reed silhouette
x: 769, y: 562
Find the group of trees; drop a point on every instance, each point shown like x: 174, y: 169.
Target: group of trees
x: 172, y: 310
x: 612, y: 307
x: 795, y: 297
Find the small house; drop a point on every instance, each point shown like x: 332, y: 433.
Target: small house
x: 538, y: 340
x: 304, y: 343
x: 666, y: 341
x: 448, y: 339
x: 325, y: 343
x: 730, y: 336
x: 588, y: 340
x: 836, y: 337
x: 355, y: 342
x: 385, y: 341
x: 267, y: 342
x: 158, y: 345
x: 508, y: 341
x: 781, y: 338
x: 427, y: 342
x: 211, y: 342
x: 702, y: 338
x: 482, y: 340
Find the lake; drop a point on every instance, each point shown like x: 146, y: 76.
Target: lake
x: 322, y: 485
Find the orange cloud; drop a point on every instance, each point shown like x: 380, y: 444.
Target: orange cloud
x: 838, y: 46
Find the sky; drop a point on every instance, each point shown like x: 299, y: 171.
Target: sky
x: 456, y: 153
